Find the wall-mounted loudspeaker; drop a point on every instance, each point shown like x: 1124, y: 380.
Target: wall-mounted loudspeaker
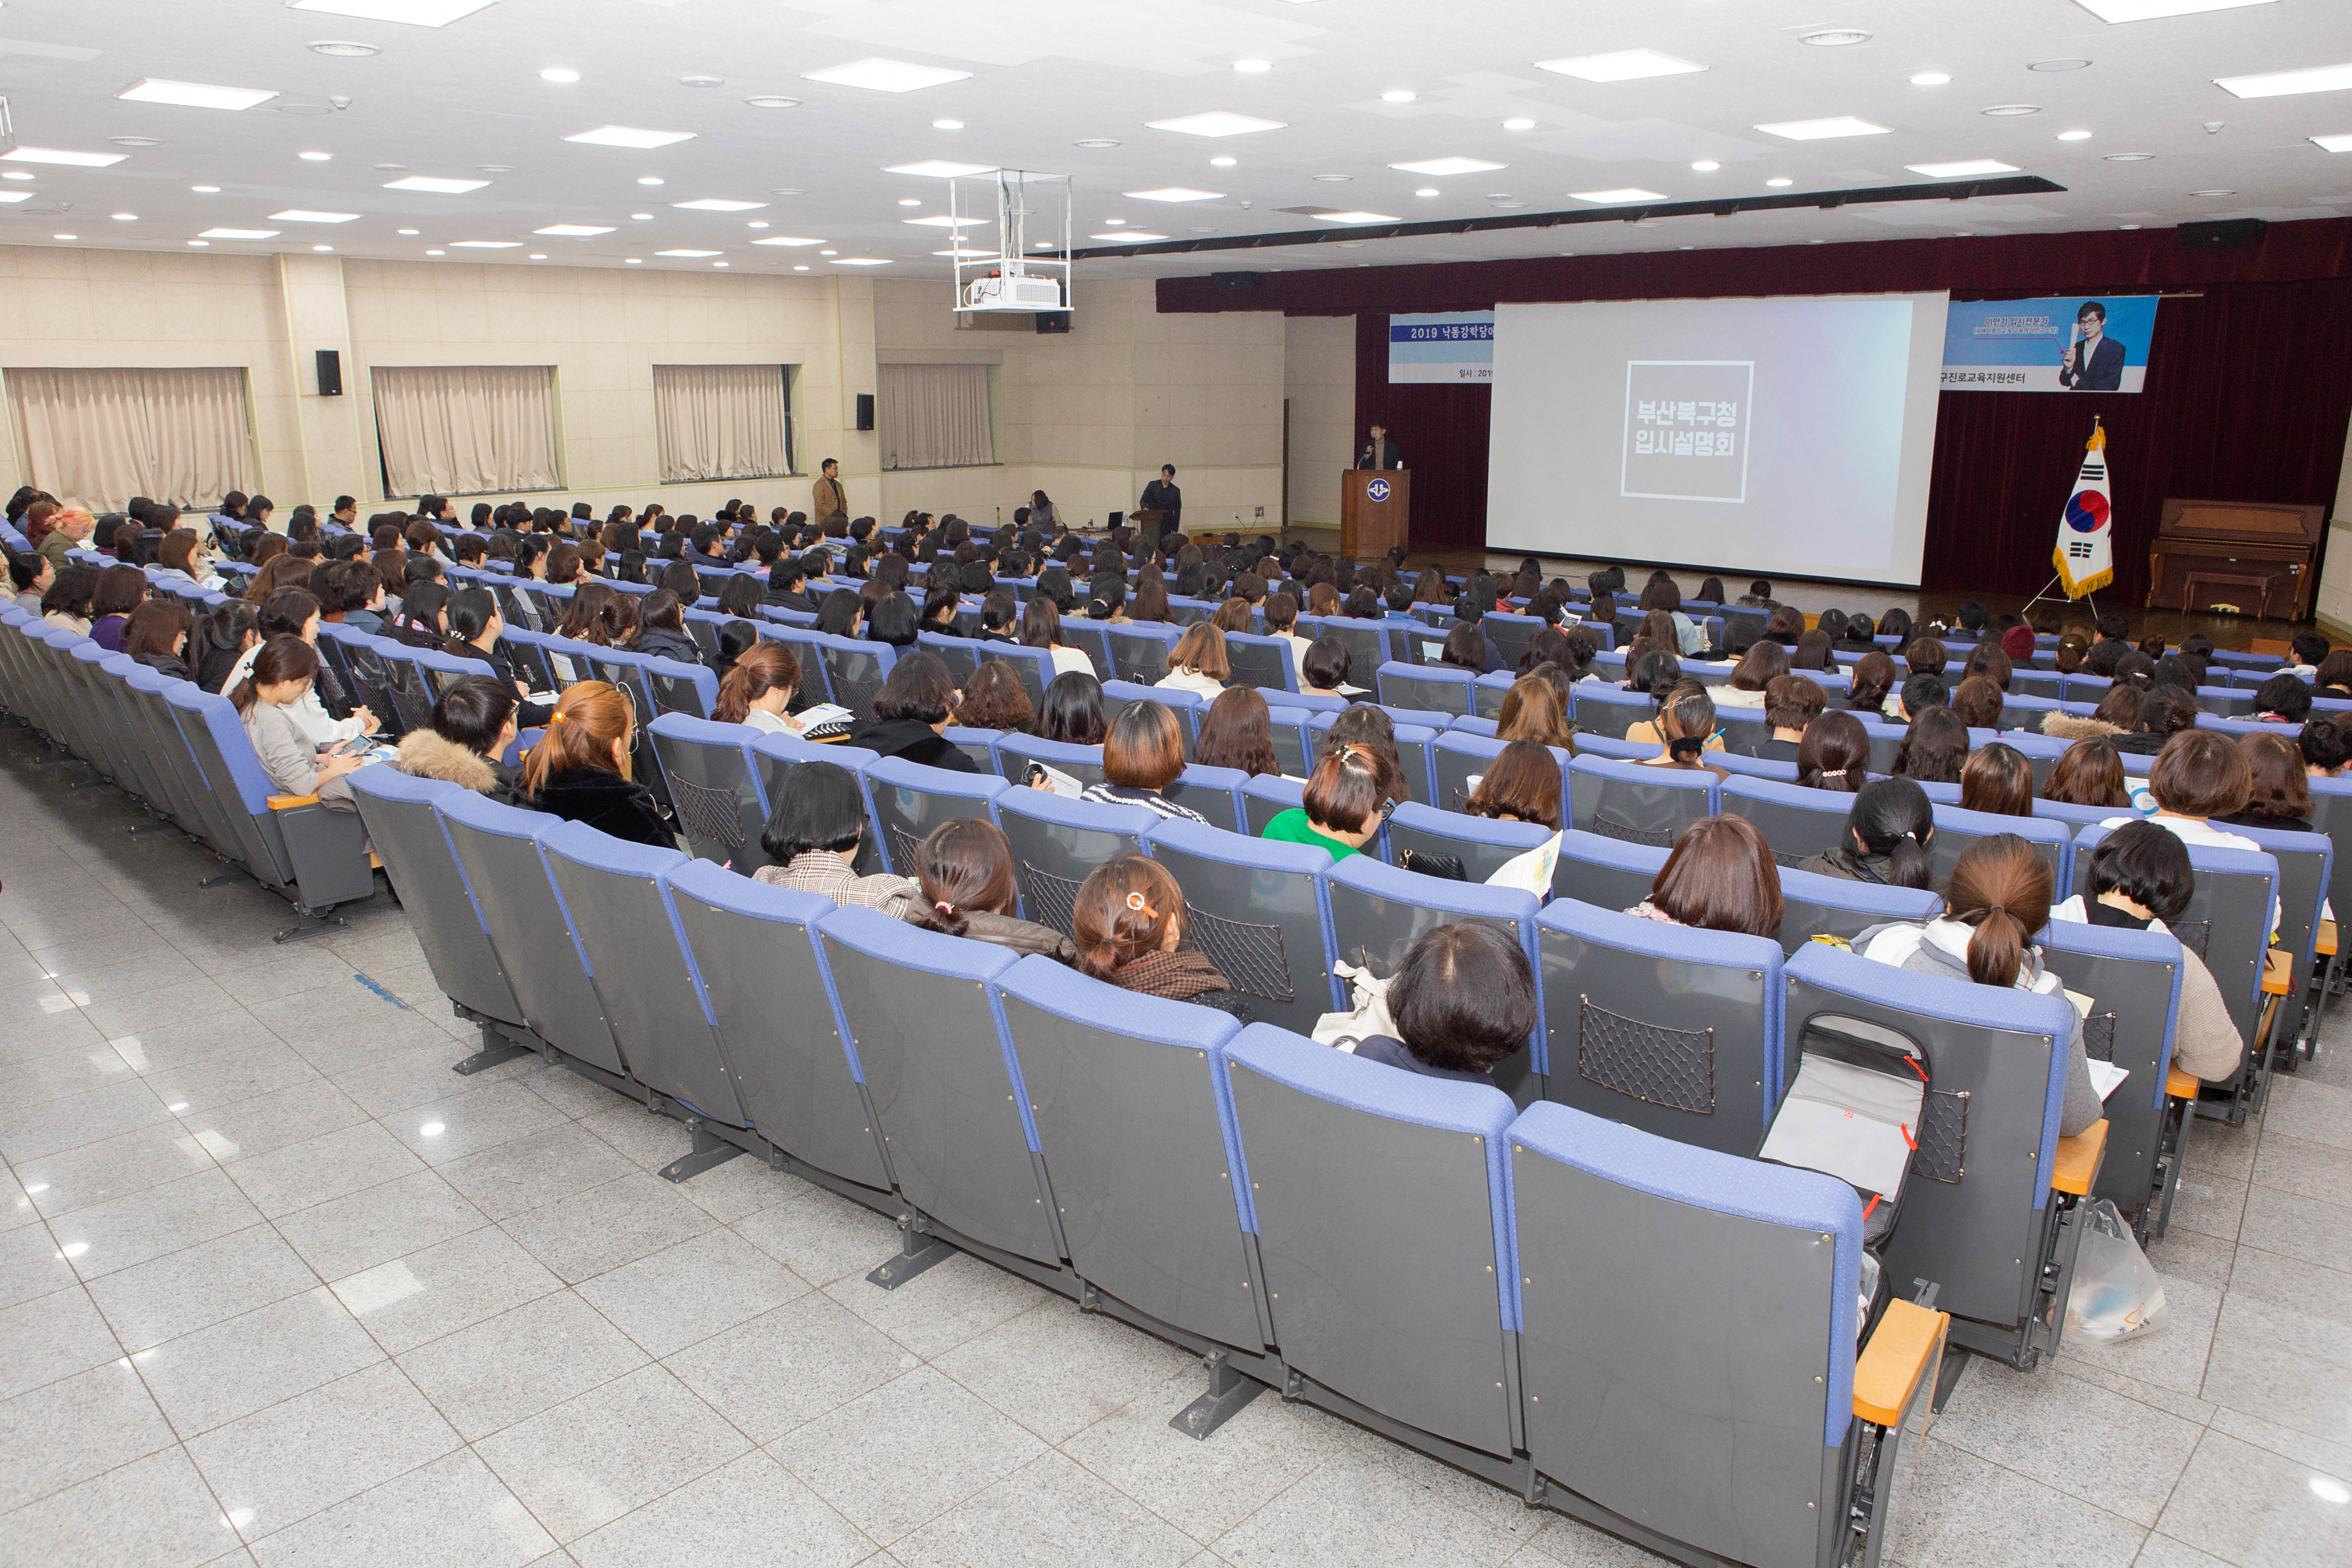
x: 1232, y: 282
x: 331, y: 372
x: 1053, y: 321
x: 2229, y: 234
x: 866, y: 411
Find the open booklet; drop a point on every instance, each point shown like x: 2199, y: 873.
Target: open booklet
x: 1041, y: 776
x: 1530, y: 871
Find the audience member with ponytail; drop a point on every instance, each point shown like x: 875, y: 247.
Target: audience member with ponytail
x: 580, y: 770
x: 760, y: 688
x: 1685, y: 730
x: 2000, y: 895
x: 474, y: 627
x: 1835, y: 755
x: 219, y: 642
x: 1886, y: 837
x: 1129, y: 923
x: 964, y: 869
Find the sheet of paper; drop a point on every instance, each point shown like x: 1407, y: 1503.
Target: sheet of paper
x: 2105, y: 1075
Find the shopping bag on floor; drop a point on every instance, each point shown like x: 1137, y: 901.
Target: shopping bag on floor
x: 2117, y: 1293
x: 1367, y: 1016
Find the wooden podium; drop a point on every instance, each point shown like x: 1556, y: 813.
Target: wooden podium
x: 1375, y: 511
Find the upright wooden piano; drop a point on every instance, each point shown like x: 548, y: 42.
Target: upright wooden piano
x: 2260, y: 556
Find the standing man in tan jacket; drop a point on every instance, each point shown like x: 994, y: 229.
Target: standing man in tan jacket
x: 828, y: 498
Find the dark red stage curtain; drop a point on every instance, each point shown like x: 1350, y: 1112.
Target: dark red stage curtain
x: 1442, y: 429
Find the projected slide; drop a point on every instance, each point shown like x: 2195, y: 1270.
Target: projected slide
x: 1783, y: 436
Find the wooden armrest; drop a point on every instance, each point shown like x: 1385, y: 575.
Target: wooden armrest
x: 289, y: 802
x: 2181, y: 1085
x: 2077, y: 1164
x: 1904, y: 1347
x: 2277, y: 965
x: 2325, y: 943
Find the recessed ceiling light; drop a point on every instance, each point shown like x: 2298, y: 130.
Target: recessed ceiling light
x: 1114, y: 222
x: 434, y: 186
x: 1623, y: 65
x: 1823, y: 130
x: 786, y: 239
x: 15, y: 195
x: 803, y: 268
x: 770, y: 100
x: 947, y: 124
x: 416, y: 13
x: 636, y: 261
x: 1510, y: 205
x: 1519, y: 122
x: 2010, y: 110
x: 201, y: 244
x: 788, y: 191
x: 941, y: 169
x: 60, y: 155
x: 1095, y: 143
x: 1706, y: 166
x: 828, y: 253
x: 696, y: 255
x: 910, y: 201
x: 1353, y: 217
x: 303, y: 215
x: 392, y: 168
x: 1332, y: 179
x: 126, y: 218
x: 408, y: 231
x: 757, y: 223
x: 436, y: 253
x: 494, y: 168
x: 238, y: 234
x: 1962, y: 168
x: 136, y: 141
x: 1398, y: 95
x: 2149, y: 10
x: 718, y: 205
x: 573, y: 230
x: 2058, y: 65
x: 195, y: 94
x: 65, y: 237
x: 1932, y: 78
x: 559, y: 73
x: 1617, y: 197
x: 486, y: 244
x: 1779, y: 182
x: 1440, y: 167
x: 1428, y: 191
x: 1222, y: 161
x: 2283, y: 84
x: 28, y: 174
x: 2129, y: 157
x: 342, y: 49
x: 1174, y: 194
x: 641, y: 217
x: 885, y: 76
x: 2333, y: 143
x: 537, y: 255
x: 200, y: 190
x: 1834, y: 37
x: 1216, y: 123
x: 1204, y: 228
x: 1128, y: 237
x: 2073, y: 136
x: 702, y: 82
x: 629, y: 136
x: 314, y: 156
x: 322, y: 247
x: 1251, y: 68
x: 863, y: 261
x: 2212, y: 192
x: 718, y: 264
x: 649, y: 179
x: 942, y: 220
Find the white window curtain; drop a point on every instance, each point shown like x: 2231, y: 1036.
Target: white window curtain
x: 97, y: 437
x: 935, y: 416
x: 722, y: 421
x: 459, y: 430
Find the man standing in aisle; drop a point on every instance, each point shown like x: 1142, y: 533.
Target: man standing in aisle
x: 828, y: 498
x: 1163, y: 494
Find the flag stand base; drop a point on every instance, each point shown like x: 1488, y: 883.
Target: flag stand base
x: 2091, y: 599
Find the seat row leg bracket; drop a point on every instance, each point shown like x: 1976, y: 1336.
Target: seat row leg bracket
x: 1229, y: 1390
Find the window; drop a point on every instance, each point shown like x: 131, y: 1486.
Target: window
x: 100, y: 437
x: 722, y: 421
x: 935, y: 416
x: 461, y: 430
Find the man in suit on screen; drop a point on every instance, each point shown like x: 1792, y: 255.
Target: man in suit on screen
x: 2094, y: 361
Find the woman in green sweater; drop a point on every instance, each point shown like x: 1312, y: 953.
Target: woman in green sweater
x: 1343, y: 801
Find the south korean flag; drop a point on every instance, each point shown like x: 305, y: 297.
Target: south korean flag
x: 2084, y: 559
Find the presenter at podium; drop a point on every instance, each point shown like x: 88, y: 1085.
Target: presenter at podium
x: 1162, y: 495
x: 1379, y: 452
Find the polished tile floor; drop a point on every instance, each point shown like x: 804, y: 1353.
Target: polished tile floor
x: 277, y: 1287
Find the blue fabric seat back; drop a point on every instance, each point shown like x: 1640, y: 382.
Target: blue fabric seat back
x: 910, y: 800
x: 2227, y: 922
x: 1796, y: 822
x: 442, y: 670
x: 1608, y: 711
x: 1506, y: 634
x: 1440, y: 688
x: 1138, y: 650
x: 1483, y: 845
x: 1813, y: 905
x: 2133, y: 978
x: 1488, y: 692
x: 1258, y: 910
x: 773, y: 757
x: 406, y: 833
x: 1268, y: 795
x: 1034, y: 666
x: 961, y: 655
x: 1957, y: 828
x: 1607, y: 873
x: 1015, y: 752
x: 1637, y: 803
x: 713, y: 788
x: 1056, y: 842
x: 855, y: 670
x: 679, y: 687
x: 1753, y: 767
x: 1293, y: 747
x: 1262, y: 661
x: 1214, y: 793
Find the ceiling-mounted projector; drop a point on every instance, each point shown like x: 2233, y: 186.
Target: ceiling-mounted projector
x: 1018, y: 274
x: 1013, y: 294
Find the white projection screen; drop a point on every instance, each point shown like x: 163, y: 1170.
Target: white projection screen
x: 1785, y: 437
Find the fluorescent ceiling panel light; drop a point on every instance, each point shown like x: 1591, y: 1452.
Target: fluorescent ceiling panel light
x: 629, y: 136
x: 572, y: 230
x: 1216, y: 123
x: 59, y: 155
x: 1963, y: 167
x: 942, y: 220
x: 238, y: 234
x: 1128, y: 235
x: 15, y: 195
x: 786, y: 239
x: 1823, y: 130
x: 941, y: 169
x: 486, y: 244
x: 1353, y: 217
x: 1623, y: 65
x: 718, y: 205
x: 696, y: 255
x: 432, y: 186
x: 194, y: 94
x: 885, y: 76
x: 2281, y: 84
x: 2325, y: 143
x: 1174, y: 194
x: 1448, y: 167
x: 2149, y: 10
x: 301, y: 214
x: 1519, y: 122
x: 1616, y: 198
x: 414, y: 13
x: 863, y: 261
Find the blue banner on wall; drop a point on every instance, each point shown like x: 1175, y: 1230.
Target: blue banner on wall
x: 2076, y: 344
x: 1456, y: 345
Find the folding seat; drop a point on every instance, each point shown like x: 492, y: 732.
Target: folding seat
x: 1293, y: 745
x: 404, y: 682
x: 679, y: 687
x: 1669, y: 1028
x: 2133, y: 978
x: 616, y: 904
x: 1034, y: 666
x: 1415, y: 741
x: 527, y: 652
x: 1138, y: 650
x: 854, y: 671
x: 1607, y: 709
x: 102, y: 716
x: 1885, y: 741
x: 1368, y: 643
x: 1056, y: 842
x: 716, y: 793
x: 1353, y: 1167
x: 1257, y: 908
x: 1741, y: 628
x: 805, y: 620
x: 1482, y: 844
x: 2025, y: 710
x: 1437, y: 688
x: 909, y: 800
x: 1089, y: 637
x: 498, y: 851
x: 2231, y: 702
x: 1639, y: 804
x: 1592, y: 746
x: 408, y: 834
x: 1507, y: 634
x: 1729, y: 1425
x: 1186, y: 611
x: 1486, y: 694
x: 630, y: 673
x: 442, y: 670
x: 1015, y: 752
x: 1814, y: 905
x: 979, y: 745
x: 1989, y: 1217
x: 702, y: 627
x: 1459, y: 756
x: 2086, y: 688
x: 1426, y: 648
x: 2306, y: 869
x: 1378, y: 913
x: 1939, y: 794
x: 773, y: 757
x: 1154, y: 1209
x: 1957, y: 829
x: 1262, y: 661
x: 1214, y: 793
x: 1268, y: 795
x: 925, y: 1017
x: 1188, y: 707
x: 1753, y: 767
x: 1315, y: 704
x: 1607, y: 873
x: 188, y: 797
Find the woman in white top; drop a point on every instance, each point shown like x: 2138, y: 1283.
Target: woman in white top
x: 759, y: 689
x: 1281, y: 611
x: 267, y: 701
x: 1758, y: 668
x: 1198, y: 662
x: 2197, y: 776
x: 183, y: 555
x: 1040, y: 627
x: 309, y: 712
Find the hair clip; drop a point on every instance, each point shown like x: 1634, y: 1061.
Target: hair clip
x: 1135, y: 902
x: 944, y: 907
x: 555, y: 719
